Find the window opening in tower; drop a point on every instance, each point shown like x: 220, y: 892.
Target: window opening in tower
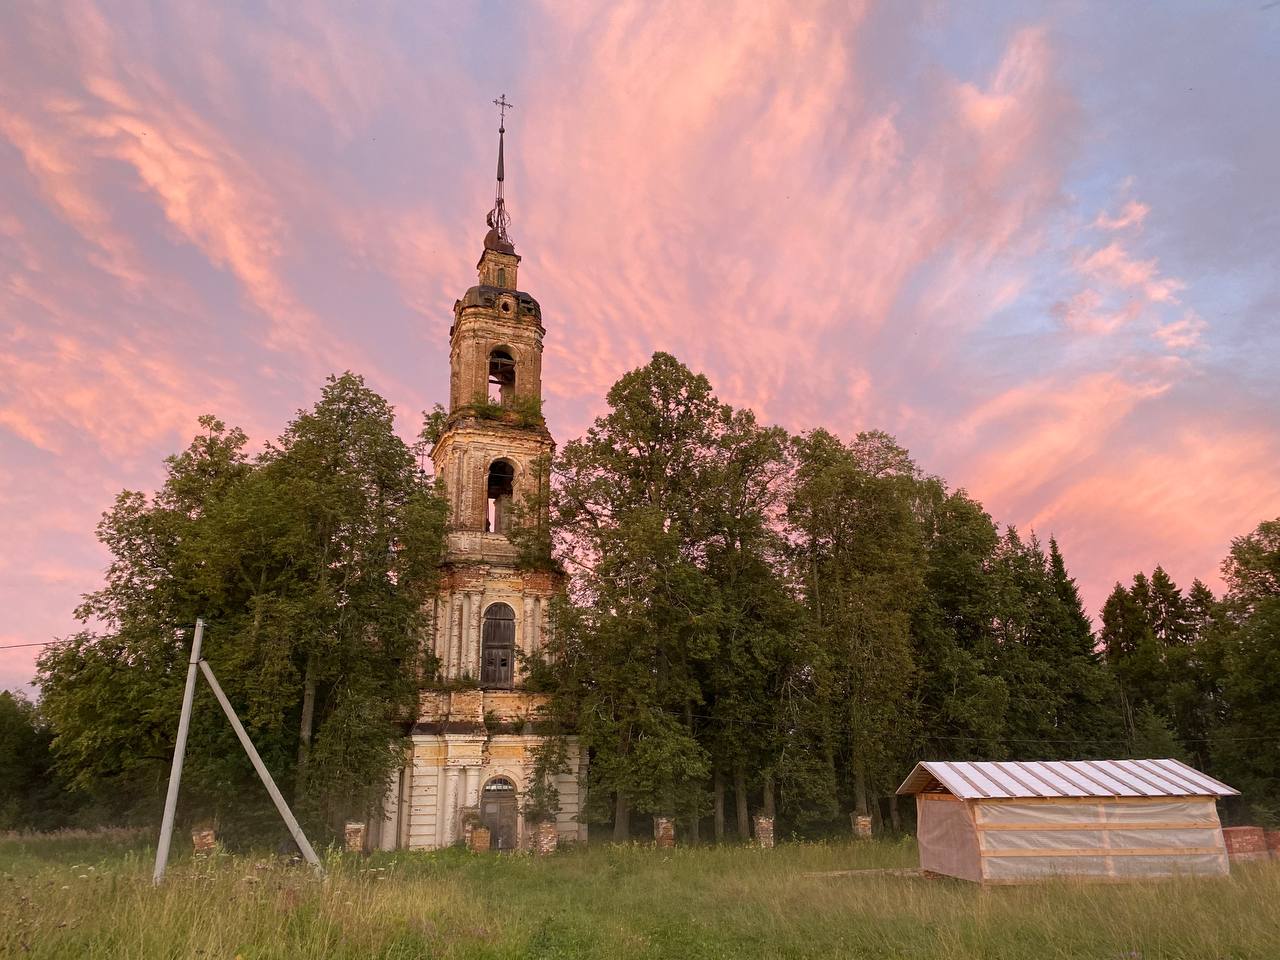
x: 502, y: 377
x: 500, y: 488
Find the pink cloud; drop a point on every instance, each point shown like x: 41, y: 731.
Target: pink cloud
x: 212, y: 209
x: 1133, y: 214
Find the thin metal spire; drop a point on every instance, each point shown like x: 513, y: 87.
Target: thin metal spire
x: 498, y: 218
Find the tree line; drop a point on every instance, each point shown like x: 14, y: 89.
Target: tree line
x: 762, y: 622
x: 755, y: 622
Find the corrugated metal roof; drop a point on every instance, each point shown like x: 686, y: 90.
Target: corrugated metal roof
x: 1006, y: 779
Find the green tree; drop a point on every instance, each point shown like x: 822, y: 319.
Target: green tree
x: 628, y: 508
x: 860, y: 556
x: 676, y: 649
x: 310, y: 563
x: 32, y: 797
x: 1245, y: 747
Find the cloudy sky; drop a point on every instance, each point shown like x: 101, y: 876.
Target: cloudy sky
x: 1040, y: 245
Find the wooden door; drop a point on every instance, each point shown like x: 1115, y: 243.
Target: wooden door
x: 498, y: 813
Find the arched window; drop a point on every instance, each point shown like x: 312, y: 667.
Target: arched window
x: 501, y: 486
x: 502, y: 377
x: 502, y: 276
x: 498, y: 646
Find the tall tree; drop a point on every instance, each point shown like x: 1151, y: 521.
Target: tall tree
x: 310, y: 564
x: 628, y: 507
x: 860, y: 554
x: 1246, y: 748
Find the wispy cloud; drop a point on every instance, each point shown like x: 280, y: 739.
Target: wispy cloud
x: 853, y: 216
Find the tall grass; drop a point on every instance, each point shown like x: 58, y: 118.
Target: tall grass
x: 92, y: 897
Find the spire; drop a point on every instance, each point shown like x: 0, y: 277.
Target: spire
x: 498, y: 219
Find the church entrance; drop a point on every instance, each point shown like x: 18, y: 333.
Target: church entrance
x: 498, y: 813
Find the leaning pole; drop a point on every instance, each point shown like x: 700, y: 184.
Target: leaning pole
x: 179, y: 751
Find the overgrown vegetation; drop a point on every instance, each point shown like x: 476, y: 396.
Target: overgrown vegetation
x: 519, y: 411
x: 94, y: 900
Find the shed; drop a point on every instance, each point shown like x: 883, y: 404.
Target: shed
x: 1013, y: 821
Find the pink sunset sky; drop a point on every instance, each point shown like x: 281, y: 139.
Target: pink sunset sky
x: 1040, y: 245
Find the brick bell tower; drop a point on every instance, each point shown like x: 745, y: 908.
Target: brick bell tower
x: 493, y: 453
x: 470, y: 758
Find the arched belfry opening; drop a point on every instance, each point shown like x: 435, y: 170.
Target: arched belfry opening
x: 498, y: 646
x: 500, y: 484
x: 502, y: 377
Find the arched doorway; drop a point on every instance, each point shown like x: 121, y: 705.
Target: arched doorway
x: 498, y: 813
x: 498, y: 646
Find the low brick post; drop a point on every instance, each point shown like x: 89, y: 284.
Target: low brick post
x: 664, y: 832
x: 479, y: 840
x: 861, y: 827
x: 204, y: 838
x: 545, y: 838
x: 353, y: 836
x: 764, y: 831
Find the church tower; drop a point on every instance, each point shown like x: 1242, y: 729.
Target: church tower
x: 472, y: 744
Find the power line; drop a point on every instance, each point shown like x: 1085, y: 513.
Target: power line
x: 19, y: 646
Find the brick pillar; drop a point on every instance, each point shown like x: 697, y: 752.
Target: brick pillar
x: 664, y: 831
x: 545, y: 838
x: 353, y: 835
x: 204, y: 839
x: 479, y: 839
x: 861, y: 827
x: 764, y: 831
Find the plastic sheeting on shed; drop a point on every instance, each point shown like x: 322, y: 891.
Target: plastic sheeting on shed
x: 947, y: 838
x: 1010, y: 841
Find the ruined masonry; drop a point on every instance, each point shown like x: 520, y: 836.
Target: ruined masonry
x: 470, y: 759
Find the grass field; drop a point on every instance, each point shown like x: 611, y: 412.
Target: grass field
x: 91, y: 896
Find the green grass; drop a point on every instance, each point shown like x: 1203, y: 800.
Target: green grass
x: 78, y: 895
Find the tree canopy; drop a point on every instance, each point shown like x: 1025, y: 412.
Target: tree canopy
x: 310, y: 563
x: 755, y: 623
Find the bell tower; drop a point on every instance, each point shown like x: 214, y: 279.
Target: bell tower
x: 472, y: 744
x: 493, y: 454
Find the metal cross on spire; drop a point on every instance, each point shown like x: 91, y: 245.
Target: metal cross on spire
x: 498, y: 218
x: 503, y: 107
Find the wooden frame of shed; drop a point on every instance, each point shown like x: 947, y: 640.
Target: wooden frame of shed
x: 1019, y: 821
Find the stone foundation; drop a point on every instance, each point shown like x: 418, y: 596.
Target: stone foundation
x: 861, y: 827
